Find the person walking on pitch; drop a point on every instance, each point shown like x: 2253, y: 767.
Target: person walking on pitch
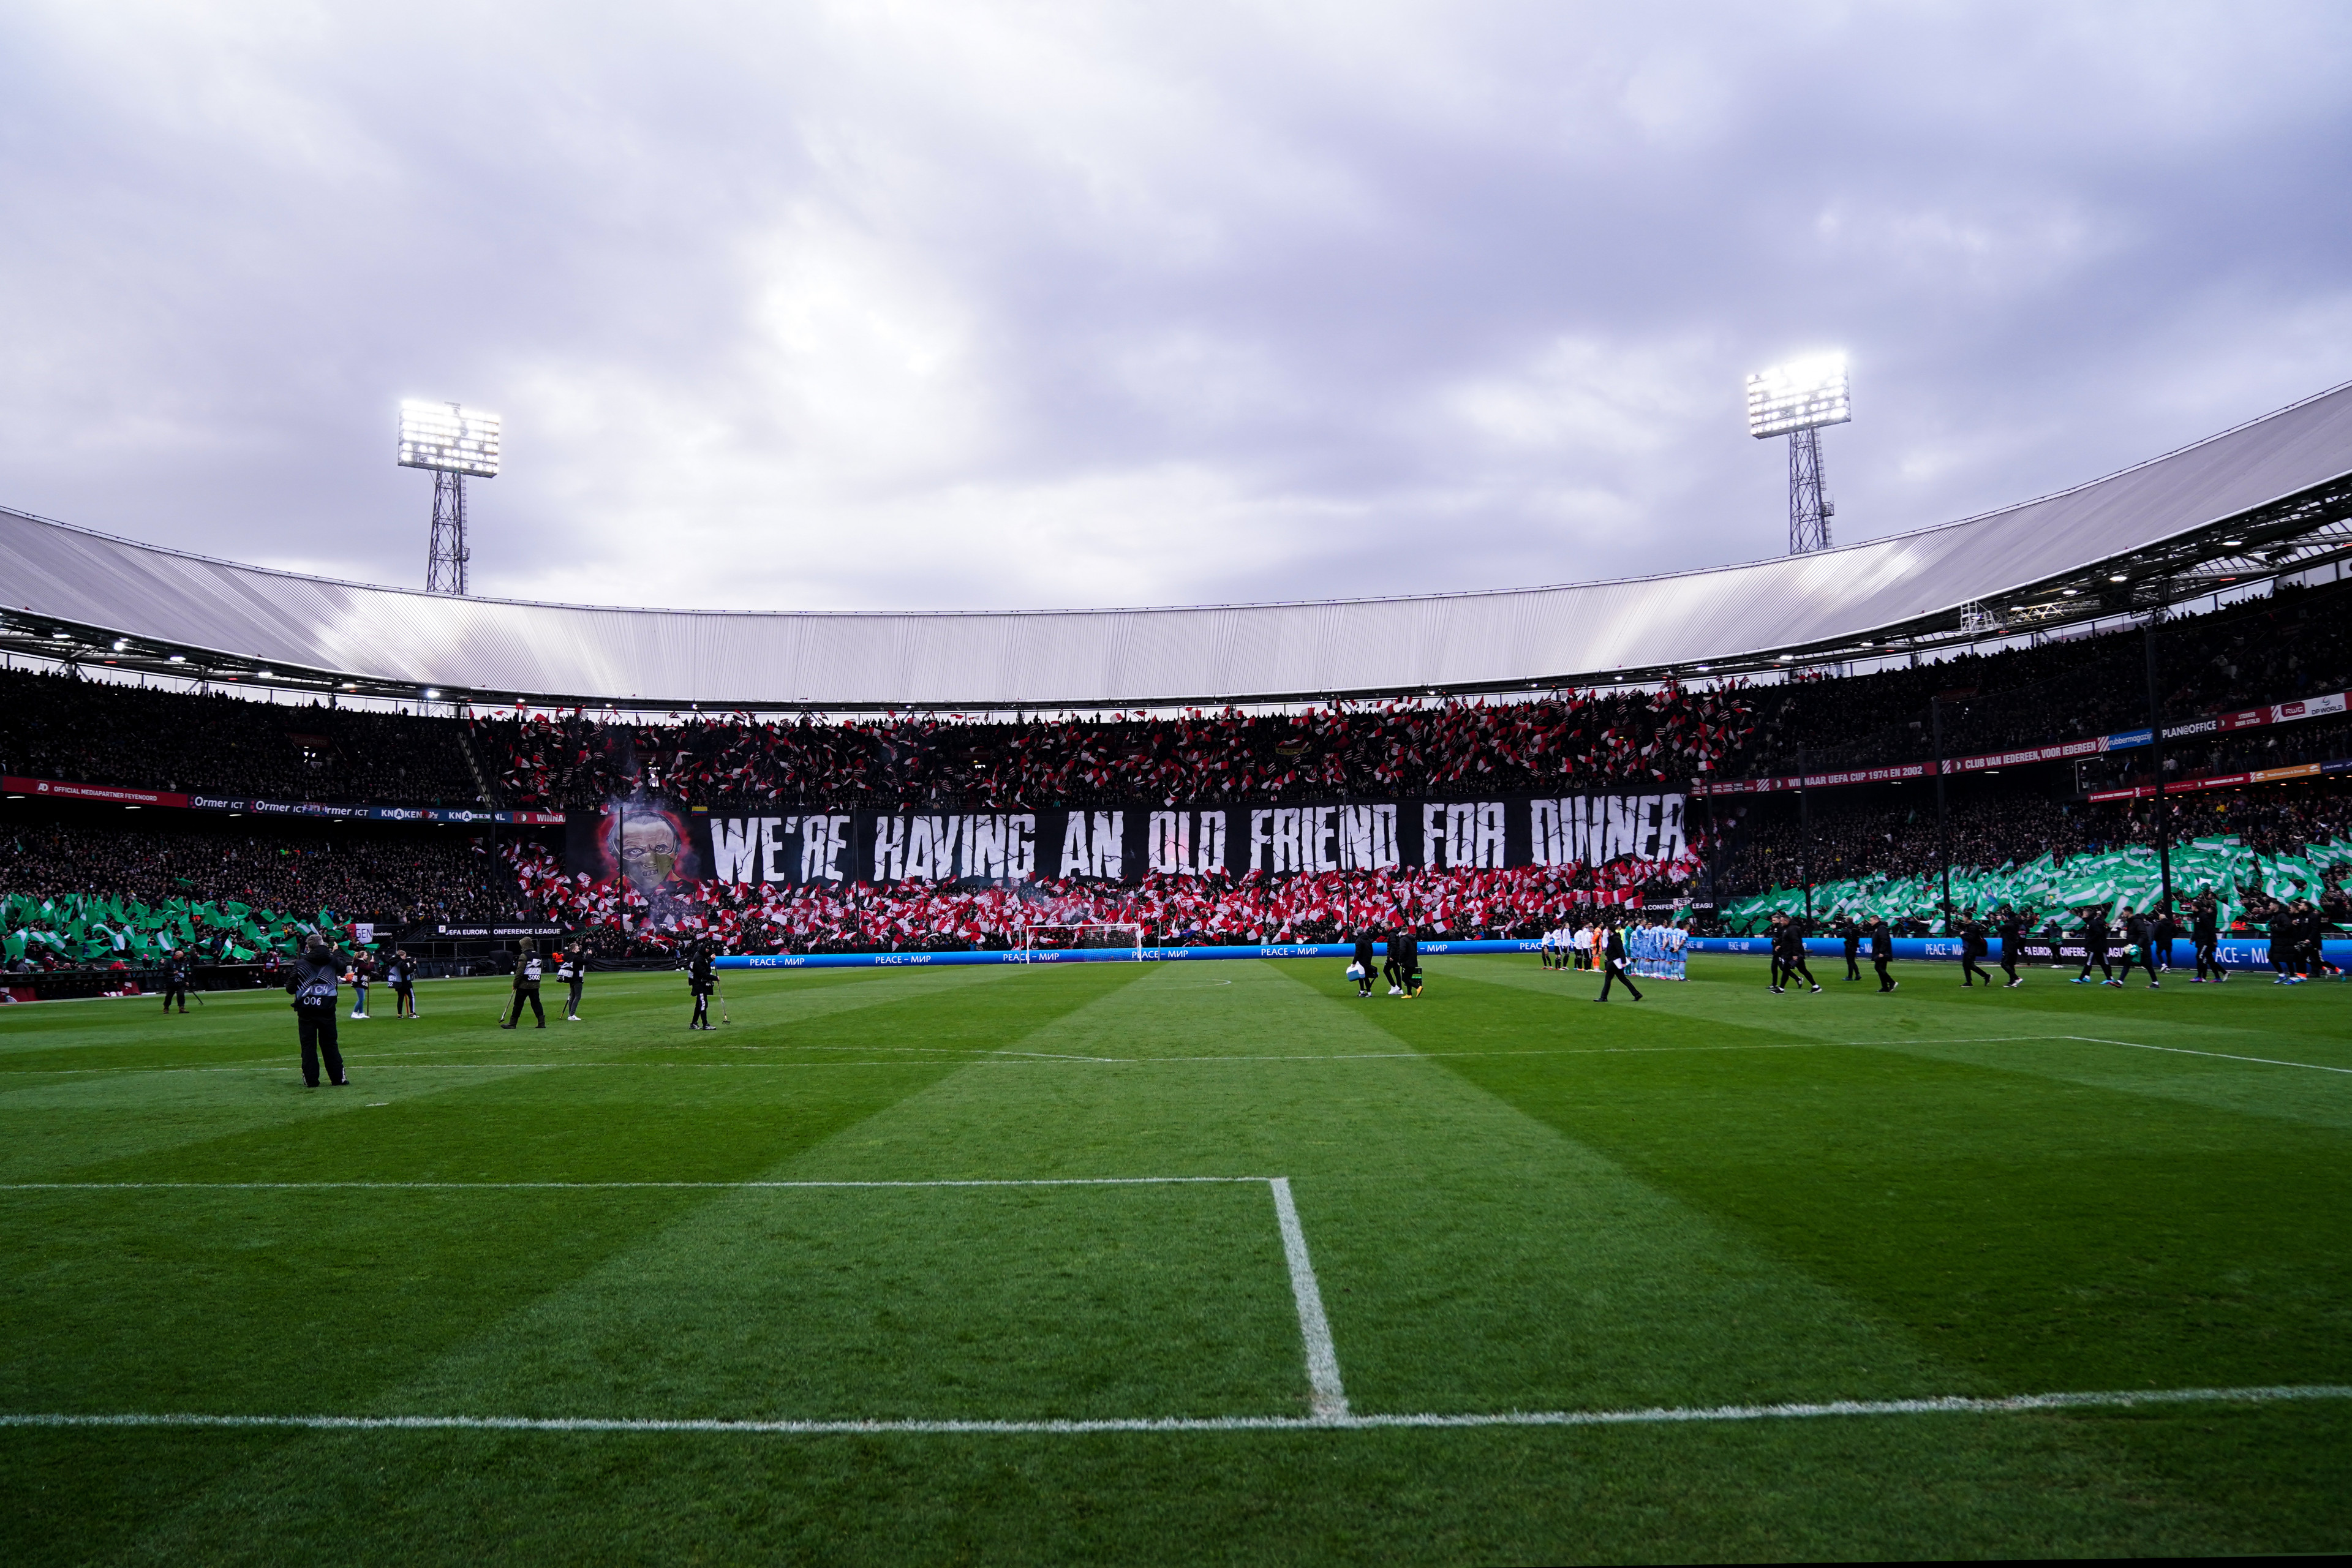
x: 2205, y: 935
x: 1851, y: 935
x: 1408, y: 961
x: 362, y: 968
x: 2095, y: 949
x: 176, y: 980
x: 1612, y: 953
x: 2012, y: 931
x: 1973, y: 948
x: 1362, y: 966
x: 527, y: 975
x: 701, y: 979
x: 1792, y: 956
x: 1882, y: 953
x: 2139, y: 947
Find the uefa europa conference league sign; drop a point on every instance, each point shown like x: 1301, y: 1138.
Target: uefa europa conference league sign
x: 654, y: 843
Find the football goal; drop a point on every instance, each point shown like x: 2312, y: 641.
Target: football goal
x: 1109, y: 938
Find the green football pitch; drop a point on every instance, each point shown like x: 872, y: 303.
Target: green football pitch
x: 1187, y: 1261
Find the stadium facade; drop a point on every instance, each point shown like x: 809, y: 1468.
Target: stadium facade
x: 2270, y: 496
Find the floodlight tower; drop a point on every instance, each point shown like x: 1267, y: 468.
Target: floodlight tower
x: 453, y: 442
x: 1796, y: 400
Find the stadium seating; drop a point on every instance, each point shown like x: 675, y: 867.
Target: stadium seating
x: 2293, y: 644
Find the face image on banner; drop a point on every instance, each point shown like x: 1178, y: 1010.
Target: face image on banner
x: 648, y: 848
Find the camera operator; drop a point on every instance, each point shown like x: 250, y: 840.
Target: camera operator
x: 175, y: 979
x: 526, y: 986
x: 313, y: 982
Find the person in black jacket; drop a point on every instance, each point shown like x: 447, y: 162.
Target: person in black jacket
x: 1613, y: 962
x: 2095, y: 948
x: 1777, y: 934
x: 312, y: 983
x: 175, y: 979
x: 1792, y: 955
x: 2139, y: 947
x: 2167, y: 931
x: 1408, y: 961
x: 701, y: 979
x: 2205, y: 933
x: 400, y: 975
x: 1882, y: 953
x: 1851, y: 935
x: 1392, y: 967
x: 529, y: 970
x: 1366, y: 964
x: 2012, y: 933
x: 571, y: 968
x: 1973, y: 948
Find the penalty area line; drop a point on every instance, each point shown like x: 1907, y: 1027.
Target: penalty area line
x: 606, y: 1187
x: 1956, y: 1404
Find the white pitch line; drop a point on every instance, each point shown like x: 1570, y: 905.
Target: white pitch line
x: 1327, y: 1398
x: 604, y: 1187
x: 2218, y: 1056
x: 1956, y: 1405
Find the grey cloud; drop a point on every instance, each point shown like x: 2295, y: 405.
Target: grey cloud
x: 956, y: 307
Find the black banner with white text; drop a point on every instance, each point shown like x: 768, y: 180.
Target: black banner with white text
x: 653, y: 844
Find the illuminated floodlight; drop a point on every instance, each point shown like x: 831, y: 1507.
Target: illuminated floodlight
x: 455, y: 443
x: 448, y: 439
x: 1802, y: 394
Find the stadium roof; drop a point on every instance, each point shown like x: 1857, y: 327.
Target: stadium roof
x: 2278, y: 489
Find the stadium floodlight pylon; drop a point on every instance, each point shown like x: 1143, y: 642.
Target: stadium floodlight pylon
x: 1796, y: 400
x: 1092, y: 936
x: 454, y: 443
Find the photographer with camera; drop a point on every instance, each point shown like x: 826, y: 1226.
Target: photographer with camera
x: 313, y: 982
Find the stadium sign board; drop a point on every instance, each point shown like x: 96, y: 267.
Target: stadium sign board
x: 125, y: 794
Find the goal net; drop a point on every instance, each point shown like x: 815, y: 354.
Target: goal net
x: 1093, y: 936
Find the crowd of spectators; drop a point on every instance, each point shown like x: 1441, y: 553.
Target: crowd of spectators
x: 56, y: 726
x: 2224, y: 752
x: 392, y: 881
x: 1851, y: 837
x: 1173, y: 910
x: 2292, y: 644
x: 1592, y: 743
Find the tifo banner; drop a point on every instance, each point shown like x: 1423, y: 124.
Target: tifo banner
x: 1332, y: 950
x: 655, y: 845
x: 2117, y: 880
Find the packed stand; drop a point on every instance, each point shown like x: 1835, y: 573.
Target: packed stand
x: 2292, y: 644
x: 391, y: 880
x: 1589, y: 743
x: 1767, y: 847
x: 1174, y: 910
x: 99, y: 731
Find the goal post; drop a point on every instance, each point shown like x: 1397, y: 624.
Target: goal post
x: 1112, y: 938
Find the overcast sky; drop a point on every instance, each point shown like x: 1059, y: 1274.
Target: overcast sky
x: 979, y: 306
